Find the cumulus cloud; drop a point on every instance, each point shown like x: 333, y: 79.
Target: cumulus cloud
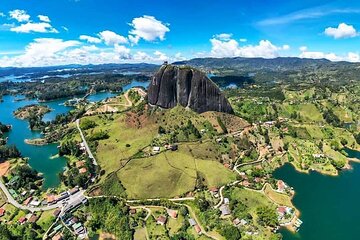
x: 122, y: 52
x: 243, y: 40
x: 231, y: 48
x: 44, y: 18
x: 155, y: 57
x: 2, y: 14
x: 341, y: 31
x: 28, y: 26
x: 285, y: 47
x: 111, y: 38
x: 161, y: 56
x: 353, y: 57
x: 42, y: 27
x: 142, y: 56
x: 179, y: 57
x: 303, y: 48
x: 39, y: 53
x: 147, y: 28
x: 350, y: 57
x: 52, y: 51
x: 90, y: 39
x: 19, y: 15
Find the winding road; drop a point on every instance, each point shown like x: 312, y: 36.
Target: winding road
x: 85, y: 143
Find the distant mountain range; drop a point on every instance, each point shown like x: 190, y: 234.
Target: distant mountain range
x: 238, y: 63
x: 276, y: 64
x: 72, y: 69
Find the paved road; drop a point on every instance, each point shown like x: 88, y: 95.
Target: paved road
x: 221, y: 193
x: 12, y: 201
x: 85, y: 143
x: 158, y: 199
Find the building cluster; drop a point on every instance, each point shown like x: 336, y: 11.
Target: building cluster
x: 69, y: 221
x: 196, y: 226
x: 251, y: 182
x: 171, y: 147
x: 225, y: 208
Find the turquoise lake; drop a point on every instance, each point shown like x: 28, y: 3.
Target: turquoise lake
x: 329, y: 206
x: 40, y: 156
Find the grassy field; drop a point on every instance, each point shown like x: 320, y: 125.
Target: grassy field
x: 253, y: 200
x: 343, y: 114
x: 215, y: 173
x: 309, y: 112
x: 170, y: 174
x: 174, y: 225
x: 3, y: 198
x: 163, y: 175
x: 314, y: 131
x: 111, y: 151
x: 46, y: 219
x: 155, y: 231
x: 140, y: 234
x: 279, y: 198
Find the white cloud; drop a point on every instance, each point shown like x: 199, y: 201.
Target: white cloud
x: 65, y: 28
x: 2, y: 14
x: 224, y: 48
x: 19, y: 15
x: 285, y: 47
x: 231, y: 48
x: 243, y: 40
x: 90, y: 39
x: 133, y: 39
x: 179, y: 57
x: 52, y: 52
x: 342, y: 31
x: 42, y: 27
x: 353, y: 57
x: 111, y: 38
x: 142, y: 56
x: 44, y: 18
x: 156, y: 57
x: 122, y: 51
x: 223, y: 36
x: 310, y: 13
x: 303, y: 48
x: 147, y: 28
x: 350, y: 57
x: 28, y: 26
x: 319, y: 55
x: 7, y: 26
x: 41, y: 52
x: 161, y: 56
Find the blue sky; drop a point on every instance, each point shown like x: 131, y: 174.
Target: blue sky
x: 46, y: 32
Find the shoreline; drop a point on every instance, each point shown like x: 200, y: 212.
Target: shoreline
x: 314, y: 170
x: 290, y: 226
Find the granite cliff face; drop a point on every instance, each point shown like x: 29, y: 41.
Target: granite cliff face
x: 188, y: 87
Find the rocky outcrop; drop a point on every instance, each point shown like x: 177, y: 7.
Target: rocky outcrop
x: 188, y: 87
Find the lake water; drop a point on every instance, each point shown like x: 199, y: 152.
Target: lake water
x: 40, y: 156
x: 329, y: 206
x: 13, y: 78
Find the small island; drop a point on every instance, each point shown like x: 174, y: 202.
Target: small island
x: 30, y: 111
x: 34, y: 114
